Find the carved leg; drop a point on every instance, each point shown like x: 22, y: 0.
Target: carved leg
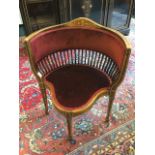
x: 43, y: 91
x: 69, y: 125
x: 111, y: 99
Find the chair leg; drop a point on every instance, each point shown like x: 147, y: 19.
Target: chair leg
x: 111, y: 99
x: 43, y: 91
x: 69, y: 125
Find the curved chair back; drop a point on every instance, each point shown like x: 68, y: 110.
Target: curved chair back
x: 82, y: 42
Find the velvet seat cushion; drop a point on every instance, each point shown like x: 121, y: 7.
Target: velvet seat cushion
x: 74, y: 85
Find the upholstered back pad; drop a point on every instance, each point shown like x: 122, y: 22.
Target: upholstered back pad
x: 78, y: 37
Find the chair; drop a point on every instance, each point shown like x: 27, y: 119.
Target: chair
x: 78, y: 61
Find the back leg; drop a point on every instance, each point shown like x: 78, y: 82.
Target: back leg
x: 43, y: 91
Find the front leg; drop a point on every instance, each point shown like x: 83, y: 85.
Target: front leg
x: 69, y: 125
x: 111, y: 99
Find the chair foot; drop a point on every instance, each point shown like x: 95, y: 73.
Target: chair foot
x: 72, y: 141
x: 106, y: 123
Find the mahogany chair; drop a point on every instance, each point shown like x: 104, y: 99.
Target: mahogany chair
x: 78, y: 61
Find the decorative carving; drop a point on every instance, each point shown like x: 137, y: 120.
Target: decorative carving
x: 86, y: 7
x: 82, y: 22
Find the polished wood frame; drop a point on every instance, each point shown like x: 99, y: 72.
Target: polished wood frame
x: 67, y: 112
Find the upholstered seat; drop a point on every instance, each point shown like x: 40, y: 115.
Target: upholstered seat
x: 74, y: 85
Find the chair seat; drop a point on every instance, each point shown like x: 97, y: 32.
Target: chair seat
x: 74, y: 85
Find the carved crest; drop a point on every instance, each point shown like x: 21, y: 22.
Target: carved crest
x: 82, y: 21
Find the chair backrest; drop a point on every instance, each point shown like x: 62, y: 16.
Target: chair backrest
x: 78, y: 42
